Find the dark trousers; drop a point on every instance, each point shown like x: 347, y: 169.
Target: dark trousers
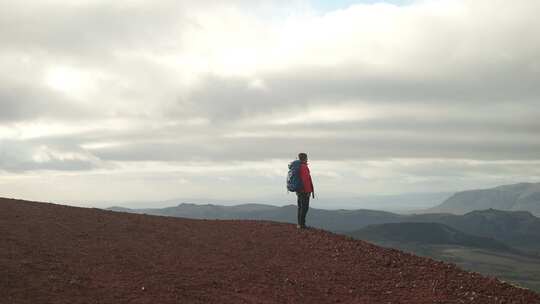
x: 303, y: 206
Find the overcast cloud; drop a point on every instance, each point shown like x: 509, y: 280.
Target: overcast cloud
x: 153, y: 100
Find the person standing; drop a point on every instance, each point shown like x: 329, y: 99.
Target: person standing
x: 305, y: 190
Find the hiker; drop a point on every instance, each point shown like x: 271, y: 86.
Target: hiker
x: 304, y: 191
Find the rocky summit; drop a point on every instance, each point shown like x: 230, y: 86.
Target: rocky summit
x: 59, y: 254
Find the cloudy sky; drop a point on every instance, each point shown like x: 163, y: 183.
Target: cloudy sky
x: 153, y: 100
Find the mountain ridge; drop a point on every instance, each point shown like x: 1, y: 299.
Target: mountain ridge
x: 514, y: 197
x: 334, y: 220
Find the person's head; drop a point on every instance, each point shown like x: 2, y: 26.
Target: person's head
x: 302, y: 157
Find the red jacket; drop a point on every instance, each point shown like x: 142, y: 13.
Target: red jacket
x: 305, y: 176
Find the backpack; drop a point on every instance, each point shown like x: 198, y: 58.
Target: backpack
x: 294, y: 183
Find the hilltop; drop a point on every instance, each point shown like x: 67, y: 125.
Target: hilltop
x: 61, y: 254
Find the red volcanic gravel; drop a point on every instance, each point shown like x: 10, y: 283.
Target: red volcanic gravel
x: 59, y: 254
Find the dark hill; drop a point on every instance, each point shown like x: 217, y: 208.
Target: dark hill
x: 426, y: 234
x: 59, y: 254
x: 515, y: 228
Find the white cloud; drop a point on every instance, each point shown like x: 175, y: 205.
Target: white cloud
x: 176, y: 94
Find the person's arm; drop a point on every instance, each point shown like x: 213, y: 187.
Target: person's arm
x: 311, y: 183
x: 304, y: 177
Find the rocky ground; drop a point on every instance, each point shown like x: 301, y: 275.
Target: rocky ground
x: 59, y: 254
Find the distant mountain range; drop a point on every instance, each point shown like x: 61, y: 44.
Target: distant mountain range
x: 517, y: 197
x: 333, y: 220
x: 397, y: 203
